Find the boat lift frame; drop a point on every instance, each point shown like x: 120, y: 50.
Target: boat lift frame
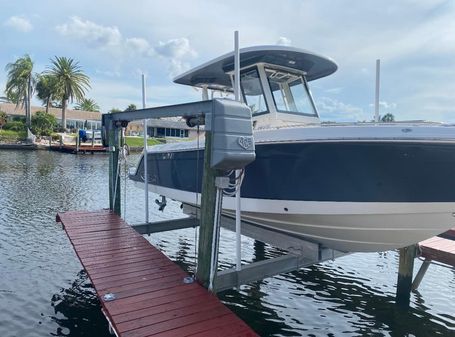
x: 301, y: 252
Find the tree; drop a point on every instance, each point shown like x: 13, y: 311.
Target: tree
x: 388, y: 118
x: 20, y: 84
x: 47, y: 90
x: 114, y: 110
x: 43, y: 123
x: 3, y: 119
x: 131, y: 107
x: 71, y: 81
x: 87, y: 104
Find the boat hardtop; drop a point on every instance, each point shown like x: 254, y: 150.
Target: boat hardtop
x: 215, y: 74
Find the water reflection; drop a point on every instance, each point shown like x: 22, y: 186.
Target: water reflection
x: 353, y: 296
x: 77, y: 310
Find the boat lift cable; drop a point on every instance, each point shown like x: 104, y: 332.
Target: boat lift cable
x: 196, y: 203
x: 216, y: 236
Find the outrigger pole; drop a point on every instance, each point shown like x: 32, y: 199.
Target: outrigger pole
x: 146, y: 177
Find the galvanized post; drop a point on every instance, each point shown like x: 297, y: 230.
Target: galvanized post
x: 405, y: 270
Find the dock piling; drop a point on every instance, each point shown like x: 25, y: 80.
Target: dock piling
x: 114, y: 177
x: 207, y: 216
x: 405, y: 270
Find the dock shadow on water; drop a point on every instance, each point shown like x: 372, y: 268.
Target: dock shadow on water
x: 324, y: 300
x: 78, y: 310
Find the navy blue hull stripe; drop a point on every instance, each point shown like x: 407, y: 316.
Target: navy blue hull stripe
x: 344, y: 171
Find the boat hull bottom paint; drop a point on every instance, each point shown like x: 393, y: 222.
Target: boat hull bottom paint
x: 344, y: 226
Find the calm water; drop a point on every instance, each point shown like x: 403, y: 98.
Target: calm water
x: 43, y: 290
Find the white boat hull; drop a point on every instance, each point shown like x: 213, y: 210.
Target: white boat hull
x: 344, y: 226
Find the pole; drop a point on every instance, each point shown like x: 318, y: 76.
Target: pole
x: 206, y: 227
x: 114, y: 177
x: 405, y: 270
x: 238, y: 206
x: 376, y: 96
x: 146, y: 180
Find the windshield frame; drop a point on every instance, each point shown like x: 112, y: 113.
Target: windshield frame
x: 302, y: 78
x: 259, y: 77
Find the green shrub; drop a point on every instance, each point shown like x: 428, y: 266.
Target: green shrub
x: 14, y: 126
x: 3, y: 119
x: 10, y: 136
x: 43, y: 123
x: 19, y: 119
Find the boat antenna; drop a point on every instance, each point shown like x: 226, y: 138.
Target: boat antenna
x: 238, y: 206
x: 376, y: 98
x: 236, y: 66
x: 146, y: 183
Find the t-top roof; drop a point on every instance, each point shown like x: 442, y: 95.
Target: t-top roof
x: 213, y: 73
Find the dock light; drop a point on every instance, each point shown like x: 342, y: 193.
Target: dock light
x: 109, y: 297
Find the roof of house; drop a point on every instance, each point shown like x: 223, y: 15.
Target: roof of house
x: 165, y: 123
x: 18, y: 110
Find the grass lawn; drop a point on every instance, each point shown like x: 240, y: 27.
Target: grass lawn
x: 139, y: 141
x: 9, y: 136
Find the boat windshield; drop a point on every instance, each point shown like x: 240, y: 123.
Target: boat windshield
x: 290, y: 93
x: 252, y: 91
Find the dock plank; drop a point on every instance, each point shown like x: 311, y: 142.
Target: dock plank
x: 151, y: 298
x: 438, y: 249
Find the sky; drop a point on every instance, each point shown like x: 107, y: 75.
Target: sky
x: 116, y: 41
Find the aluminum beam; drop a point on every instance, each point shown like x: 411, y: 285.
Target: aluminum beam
x: 167, y: 225
x: 176, y: 110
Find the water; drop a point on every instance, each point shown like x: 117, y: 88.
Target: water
x: 43, y: 290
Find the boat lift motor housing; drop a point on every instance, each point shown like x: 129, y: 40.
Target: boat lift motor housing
x: 232, y: 135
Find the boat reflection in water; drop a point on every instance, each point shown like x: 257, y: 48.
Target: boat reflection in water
x: 350, y: 187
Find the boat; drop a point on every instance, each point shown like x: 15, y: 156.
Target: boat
x: 353, y: 187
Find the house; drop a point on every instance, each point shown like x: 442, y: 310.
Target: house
x: 163, y: 128
x: 75, y: 119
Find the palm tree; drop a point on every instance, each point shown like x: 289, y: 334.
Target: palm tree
x: 46, y: 90
x: 71, y: 81
x: 87, y: 104
x: 20, y: 84
x: 388, y: 118
x: 131, y: 107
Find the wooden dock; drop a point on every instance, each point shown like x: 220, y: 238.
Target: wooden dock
x: 141, y: 291
x: 440, y: 248
x: 68, y: 148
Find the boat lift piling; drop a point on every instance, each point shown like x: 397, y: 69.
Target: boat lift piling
x: 112, y: 124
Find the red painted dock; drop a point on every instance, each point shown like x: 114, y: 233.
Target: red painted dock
x: 440, y: 248
x: 84, y: 148
x: 151, y: 298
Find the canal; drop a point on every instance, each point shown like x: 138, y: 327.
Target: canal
x: 44, y: 292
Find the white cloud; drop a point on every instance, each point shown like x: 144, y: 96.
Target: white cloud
x: 175, y: 48
x: 138, y: 45
x: 19, y: 23
x: 176, y: 51
x: 92, y: 34
x: 385, y: 105
x: 283, y: 41
x: 335, y: 110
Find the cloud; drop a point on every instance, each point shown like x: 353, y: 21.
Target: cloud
x: 175, y: 48
x: 176, y: 51
x: 138, y: 45
x: 335, y: 110
x: 283, y: 41
x: 385, y: 105
x: 18, y: 23
x: 92, y: 34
